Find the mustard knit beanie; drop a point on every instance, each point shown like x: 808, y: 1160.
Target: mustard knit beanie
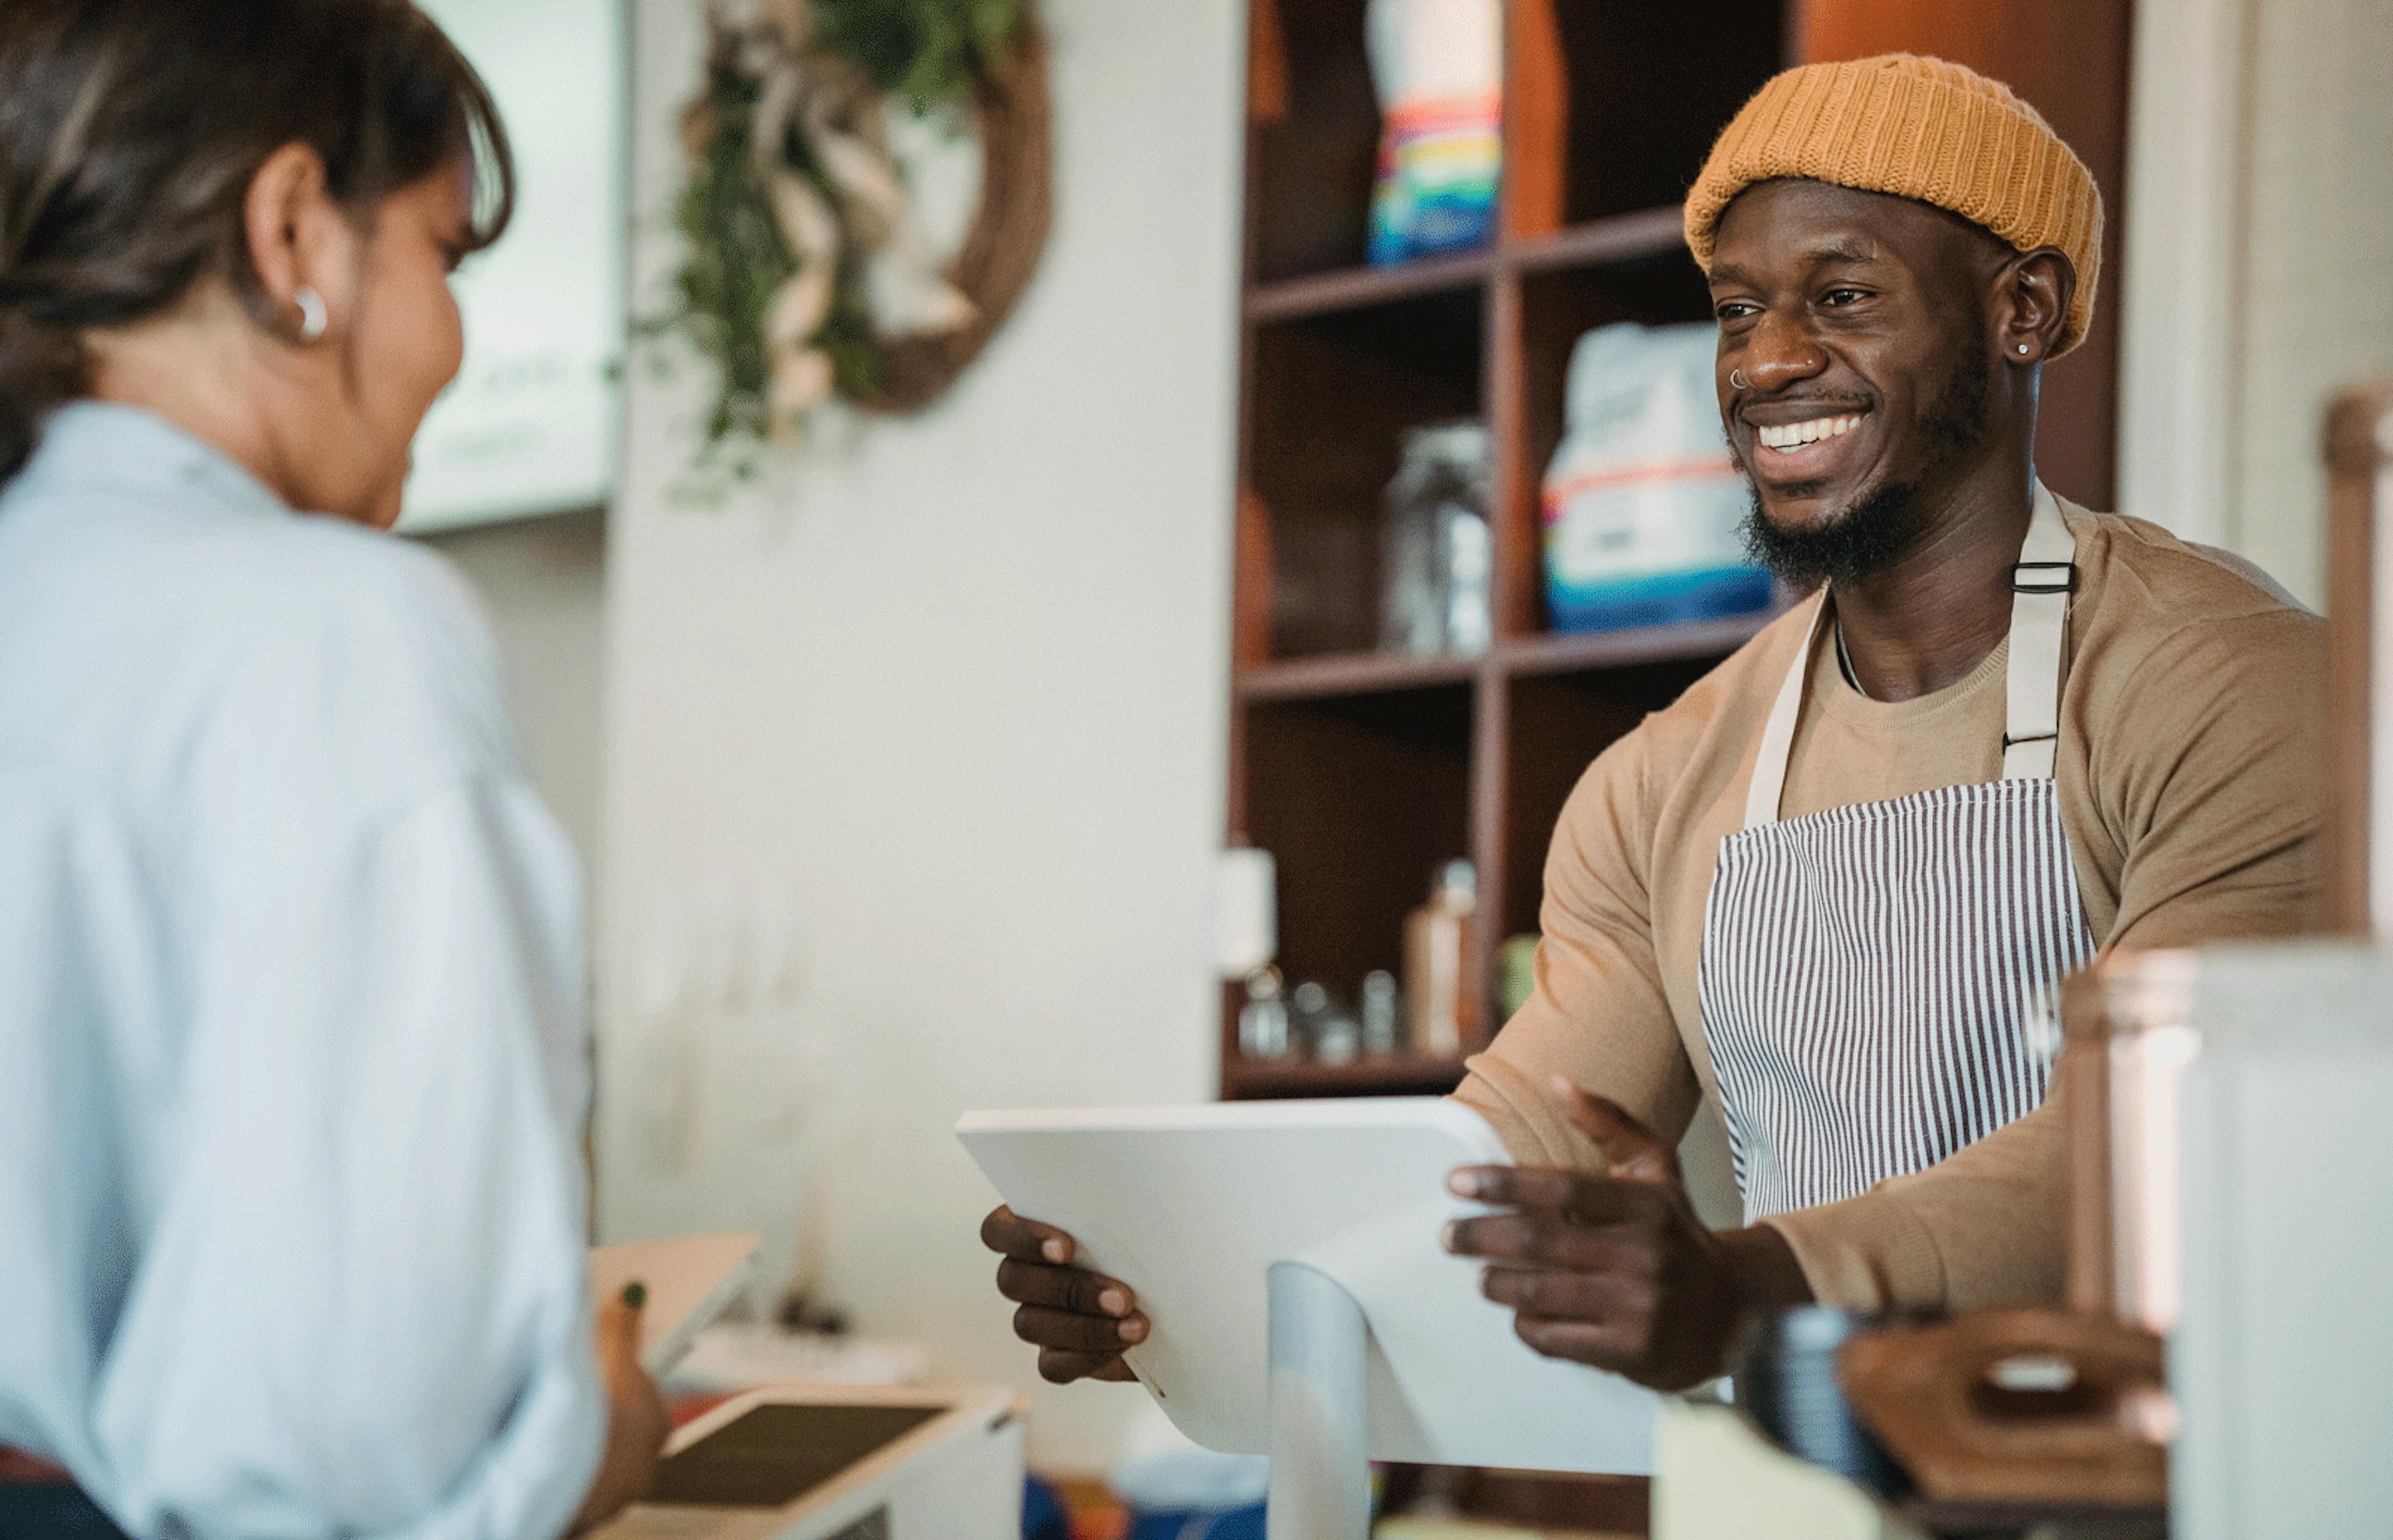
x: 1916, y: 127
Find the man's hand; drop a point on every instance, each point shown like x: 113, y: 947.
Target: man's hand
x: 637, y: 1424
x: 1616, y: 1270
x: 1079, y: 1321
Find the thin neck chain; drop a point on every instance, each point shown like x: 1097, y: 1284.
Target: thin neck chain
x: 1845, y: 662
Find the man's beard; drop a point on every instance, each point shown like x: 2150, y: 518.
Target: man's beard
x: 1871, y: 533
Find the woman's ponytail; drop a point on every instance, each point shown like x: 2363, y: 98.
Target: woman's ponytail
x: 41, y: 369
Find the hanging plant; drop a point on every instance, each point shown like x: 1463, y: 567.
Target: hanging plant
x: 805, y: 273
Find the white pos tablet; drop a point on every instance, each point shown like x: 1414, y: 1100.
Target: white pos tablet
x: 1193, y: 1207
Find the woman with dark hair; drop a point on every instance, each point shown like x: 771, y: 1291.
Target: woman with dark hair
x: 292, y: 1033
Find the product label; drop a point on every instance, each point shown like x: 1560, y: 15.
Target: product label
x: 1630, y: 521
x: 1440, y: 164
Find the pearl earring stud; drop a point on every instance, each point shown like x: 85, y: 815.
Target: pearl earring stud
x: 313, y: 317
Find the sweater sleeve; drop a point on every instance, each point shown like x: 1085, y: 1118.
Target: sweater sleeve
x: 2210, y: 778
x: 1983, y: 1229
x: 1597, y: 1013
x: 2217, y: 784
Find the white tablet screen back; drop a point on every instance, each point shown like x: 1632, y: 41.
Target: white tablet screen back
x: 1191, y: 1207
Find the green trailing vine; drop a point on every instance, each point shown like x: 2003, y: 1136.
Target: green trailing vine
x: 928, y: 54
x: 737, y: 253
x: 733, y: 260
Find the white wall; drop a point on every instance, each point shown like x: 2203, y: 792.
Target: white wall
x: 2259, y: 235
x: 542, y: 582
x: 940, y: 715
x: 2316, y: 295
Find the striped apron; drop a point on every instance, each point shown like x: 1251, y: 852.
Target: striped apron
x: 1868, y: 973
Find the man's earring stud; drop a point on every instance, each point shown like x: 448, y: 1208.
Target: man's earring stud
x: 2023, y: 347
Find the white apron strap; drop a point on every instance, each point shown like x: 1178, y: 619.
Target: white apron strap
x: 2041, y: 585
x: 2042, y: 581
x: 1778, y: 737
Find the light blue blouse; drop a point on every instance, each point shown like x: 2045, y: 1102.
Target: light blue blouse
x: 292, y: 1033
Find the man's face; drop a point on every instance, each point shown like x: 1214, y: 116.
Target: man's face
x: 1857, y: 323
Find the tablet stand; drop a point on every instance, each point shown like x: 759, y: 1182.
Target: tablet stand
x: 1320, y: 1468
x: 1193, y: 1208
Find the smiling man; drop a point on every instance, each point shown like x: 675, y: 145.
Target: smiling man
x: 1831, y: 886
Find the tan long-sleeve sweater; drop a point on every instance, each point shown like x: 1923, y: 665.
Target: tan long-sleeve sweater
x: 2191, y: 779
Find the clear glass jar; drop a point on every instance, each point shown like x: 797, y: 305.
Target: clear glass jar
x: 1440, y: 557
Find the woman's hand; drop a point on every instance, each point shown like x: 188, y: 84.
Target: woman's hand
x: 637, y: 1423
x: 1079, y: 1321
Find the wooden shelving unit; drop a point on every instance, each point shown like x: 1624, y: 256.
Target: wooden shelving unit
x: 1363, y: 773
x: 1334, y: 674
x: 1378, y: 1076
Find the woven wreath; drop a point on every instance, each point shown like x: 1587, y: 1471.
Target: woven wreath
x: 805, y: 274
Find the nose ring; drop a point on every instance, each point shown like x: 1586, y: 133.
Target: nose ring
x: 1737, y: 379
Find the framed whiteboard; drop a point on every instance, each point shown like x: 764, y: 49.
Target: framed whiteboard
x: 532, y: 424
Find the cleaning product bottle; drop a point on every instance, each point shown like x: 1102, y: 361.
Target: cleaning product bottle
x: 1437, y: 67
x: 1437, y: 947
x: 1645, y: 506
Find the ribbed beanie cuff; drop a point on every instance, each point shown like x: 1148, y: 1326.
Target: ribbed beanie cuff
x: 1915, y: 127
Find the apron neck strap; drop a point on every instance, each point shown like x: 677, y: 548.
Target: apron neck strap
x: 2042, y: 581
